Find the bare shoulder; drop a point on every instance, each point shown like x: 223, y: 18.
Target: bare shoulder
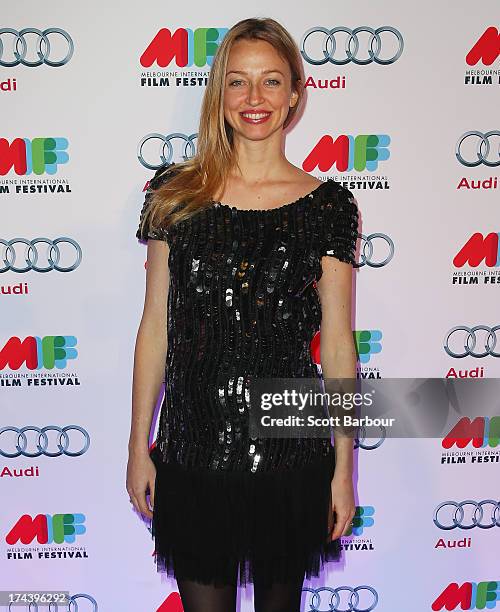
x: 305, y: 180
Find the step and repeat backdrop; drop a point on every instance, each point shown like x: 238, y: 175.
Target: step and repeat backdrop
x: 403, y: 109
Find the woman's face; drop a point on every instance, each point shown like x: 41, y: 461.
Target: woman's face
x: 257, y: 90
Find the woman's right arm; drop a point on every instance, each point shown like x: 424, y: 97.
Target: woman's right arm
x: 148, y: 374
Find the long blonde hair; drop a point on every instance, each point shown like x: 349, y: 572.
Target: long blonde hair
x: 195, y: 181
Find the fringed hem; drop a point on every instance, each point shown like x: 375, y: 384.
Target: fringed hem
x: 220, y: 527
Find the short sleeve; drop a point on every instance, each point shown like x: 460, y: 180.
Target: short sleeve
x: 158, y: 179
x: 339, y: 231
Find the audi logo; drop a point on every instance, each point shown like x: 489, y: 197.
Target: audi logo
x: 31, y: 255
x: 19, y: 47
x: 482, y: 149
x: 359, y: 441
x: 41, y: 442
x: 166, y: 141
x: 72, y: 604
x: 469, y: 340
x: 327, y: 599
x: 367, y: 249
x: 329, y: 45
x: 455, y: 514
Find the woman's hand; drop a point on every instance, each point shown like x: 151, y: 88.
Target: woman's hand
x: 141, y: 474
x: 343, y: 504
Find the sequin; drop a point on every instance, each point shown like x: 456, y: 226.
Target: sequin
x: 242, y: 304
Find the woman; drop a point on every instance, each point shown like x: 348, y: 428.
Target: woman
x: 238, y: 238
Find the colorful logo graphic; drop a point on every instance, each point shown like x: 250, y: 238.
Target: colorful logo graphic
x: 468, y: 596
x: 37, y: 156
x: 187, y: 47
x: 346, y: 153
x: 481, y: 431
x: 363, y: 518
x: 173, y: 603
x: 479, y: 248
x: 367, y: 343
x: 486, y: 50
x: 47, y: 529
x: 36, y: 353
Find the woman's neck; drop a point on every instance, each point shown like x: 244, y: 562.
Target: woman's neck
x: 259, y: 161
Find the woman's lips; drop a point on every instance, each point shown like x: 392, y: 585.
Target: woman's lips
x: 255, y: 118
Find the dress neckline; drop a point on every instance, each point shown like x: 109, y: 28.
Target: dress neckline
x: 311, y: 195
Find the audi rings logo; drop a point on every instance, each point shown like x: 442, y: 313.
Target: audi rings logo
x: 70, y: 606
x: 485, y: 514
x: 481, y: 147
x: 466, y: 338
x: 40, y: 442
x: 368, y: 243
x: 32, y: 254
x: 359, y: 441
x: 327, y: 599
x: 14, y: 47
x: 328, y: 44
x: 165, y: 151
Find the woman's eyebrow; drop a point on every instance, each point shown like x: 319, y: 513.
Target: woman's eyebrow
x: 263, y: 72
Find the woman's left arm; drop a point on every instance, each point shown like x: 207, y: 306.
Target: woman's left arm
x: 338, y: 361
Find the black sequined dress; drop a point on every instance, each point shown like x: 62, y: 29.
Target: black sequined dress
x: 242, y: 303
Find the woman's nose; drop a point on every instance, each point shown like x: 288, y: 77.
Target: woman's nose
x: 254, y: 94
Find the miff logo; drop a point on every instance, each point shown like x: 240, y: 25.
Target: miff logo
x: 186, y: 46
x: 468, y: 596
x: 479, y: 248
x: 346, y: 153
x: 173, y: 603
x: 481, y: 431
x: 367, y: 343
x: 47, y: 528
x: 363, y: 518
x: 38, y: 156
x: 48, y: 352
x: 486, y: 50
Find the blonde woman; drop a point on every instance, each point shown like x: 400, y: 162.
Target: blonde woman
x: 247, y: 256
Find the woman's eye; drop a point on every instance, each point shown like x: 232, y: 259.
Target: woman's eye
x: 273, y: 82
x: 236, y: 82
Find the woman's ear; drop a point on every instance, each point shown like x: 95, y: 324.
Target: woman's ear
x: 294, y: 96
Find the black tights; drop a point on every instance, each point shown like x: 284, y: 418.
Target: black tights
x: 278, y: 597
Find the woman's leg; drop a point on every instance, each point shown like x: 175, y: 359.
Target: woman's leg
x: 197, y: 597
x: 278, y: 596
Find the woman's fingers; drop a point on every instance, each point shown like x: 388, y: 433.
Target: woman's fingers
x: 152, y: 493
x: 140, y: 503
x: 134, y: 501
x: 141, y: 476
x: 143, y: 505
x: 342, y: 525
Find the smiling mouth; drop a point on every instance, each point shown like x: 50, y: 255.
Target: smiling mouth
x: 259, y: 117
